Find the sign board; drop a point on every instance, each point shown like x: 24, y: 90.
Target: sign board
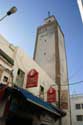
x: 32, y: 78
x: 51, y: 95
x: 64, y: 99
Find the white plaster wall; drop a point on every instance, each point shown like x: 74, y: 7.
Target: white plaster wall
x: 8, y: 48
x: 63, y: 74
x: 76, y: 99
x: 45, y: 51
x: 63, y: 67
x: 25, y: 63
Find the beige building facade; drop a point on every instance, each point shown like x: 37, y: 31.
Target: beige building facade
x: 80, y: 6
x: 6, y: 60
x: 50, y: 54
x: 77, y: 109
x: 15, y: 65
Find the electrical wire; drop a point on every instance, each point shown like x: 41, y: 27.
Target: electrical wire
x: 73, y: 83
x: 69, y: 84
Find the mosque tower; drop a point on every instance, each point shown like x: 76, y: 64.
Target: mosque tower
x: 50, y: 54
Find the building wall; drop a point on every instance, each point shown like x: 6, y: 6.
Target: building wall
x: 45, y: 38
x: 7, y: 47
x: 5, y: 66
x: 76, y: 99
x: 62, y: 56
x: 80, y: 6
x: 64, y: 75
x: 25, y: 63
x: 45, y: 50
x: 54, y: 61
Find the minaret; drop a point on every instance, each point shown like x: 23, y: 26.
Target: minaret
x: 50, y: 54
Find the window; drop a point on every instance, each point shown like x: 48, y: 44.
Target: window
x: 6, y: 57
x: 41, y: 94
x: 78, y: 106
x: 44, y: 53
x: 82, y: 106
x: 18, y: 71
x: 41, y: 88
x: 49, y: 21
x: 5, y: 79
x: 79, y: 117
x: 20, y: 78
x: 45, y: 40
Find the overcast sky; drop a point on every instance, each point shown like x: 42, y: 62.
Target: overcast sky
x: 20, y: 30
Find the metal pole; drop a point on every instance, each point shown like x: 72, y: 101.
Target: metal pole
x: 70, y: 107
x: 59, y: 93
x: 11, y: 11
x: 59, y: 101
x: 3, y: 17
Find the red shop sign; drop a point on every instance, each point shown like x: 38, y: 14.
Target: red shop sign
x: 51, y: 95
x: 32, y: 78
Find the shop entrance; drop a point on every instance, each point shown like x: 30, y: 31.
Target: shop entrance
x: 14, y: 120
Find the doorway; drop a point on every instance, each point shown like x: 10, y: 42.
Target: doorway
x: 15, y: 120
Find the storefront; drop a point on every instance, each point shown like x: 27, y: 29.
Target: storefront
x: 21, y: 107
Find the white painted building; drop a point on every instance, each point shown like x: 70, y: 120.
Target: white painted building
x: 80, y: 6
x: 51, y: 56
x: 25, y: 63
x: 6, y: 60
x: 14, y: 67
x: 77, y: 109
x: 15, y: 64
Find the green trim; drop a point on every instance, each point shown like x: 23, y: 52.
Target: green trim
x: 4, y: 55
